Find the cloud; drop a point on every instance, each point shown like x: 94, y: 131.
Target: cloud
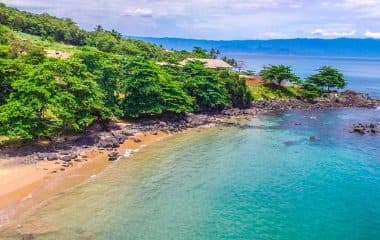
x: 332, y: 34
x: 138, y: 12
x: 372, y: 34
x: 218, y: 19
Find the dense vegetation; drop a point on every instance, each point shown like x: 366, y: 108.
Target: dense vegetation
x: 103, y: 76
x: 56, y: 78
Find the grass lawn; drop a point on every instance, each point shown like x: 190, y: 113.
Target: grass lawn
x: 262, y: 91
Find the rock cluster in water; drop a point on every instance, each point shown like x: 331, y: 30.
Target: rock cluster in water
x: 371, y: 128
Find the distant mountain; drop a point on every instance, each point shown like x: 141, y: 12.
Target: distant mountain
x: 343, y: 47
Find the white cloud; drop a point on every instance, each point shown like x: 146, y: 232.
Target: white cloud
x: 361, y: 3
x: 218, y: 19
x: 138, y: 12
x: 372, y: 34
x: 332, y: 34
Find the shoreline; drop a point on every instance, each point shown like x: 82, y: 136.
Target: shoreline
x: 29, y: 179
x: 41, y: 182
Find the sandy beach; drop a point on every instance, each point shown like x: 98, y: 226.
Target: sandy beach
x: 25, y: 187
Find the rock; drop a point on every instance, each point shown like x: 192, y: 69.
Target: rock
x: 109, y: 142
x: 136, y: 140
x: 41, y: 156
x: 113, y: 156
x: 52, y: 156
x: 359, y: 129
x: 314, y: 138
x: 68, y: 158
x: 372, y: 128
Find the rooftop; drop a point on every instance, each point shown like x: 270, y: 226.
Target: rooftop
x: 210, y: 63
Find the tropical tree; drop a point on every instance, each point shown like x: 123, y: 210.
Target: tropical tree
x: 107, y: 72
x: 328, y: 77
x: 200, y: 52
x: 54, y: 97
x: 278, y: 74
x: 150, y: 91
x: 207, y: 89
x: 239, y: 94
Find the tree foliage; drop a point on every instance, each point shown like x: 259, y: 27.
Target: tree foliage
x: 56, y: 96
x: 327, y: 78
x: 149, y: 91
x: 107, y: 76
x: 208, y: 91
x: 44, y: 25
x: 278, y: 74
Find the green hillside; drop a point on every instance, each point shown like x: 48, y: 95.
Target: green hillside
x: 56, y: 78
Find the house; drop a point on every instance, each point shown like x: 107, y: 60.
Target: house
x: 252, y: 79
x: 210, y: 63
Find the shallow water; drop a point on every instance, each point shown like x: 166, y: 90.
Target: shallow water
x: 266, y: 180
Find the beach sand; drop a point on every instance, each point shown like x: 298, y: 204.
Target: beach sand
x: 23, y: 188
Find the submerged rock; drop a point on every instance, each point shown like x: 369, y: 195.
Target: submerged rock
x: 113, y: 156
x: 315, y: 138
x: 372, y: 128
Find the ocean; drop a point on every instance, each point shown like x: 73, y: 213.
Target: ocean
x: 266, y: 180
x: 362, y: 74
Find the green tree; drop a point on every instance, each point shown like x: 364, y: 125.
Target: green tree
x: 35, y: 55
x: 107, y: 72
x: 328, y: 77
x: 149, y: 91
x: 239, y: 94
x: 200, y: 52
x: 9, y: 71
x: 207, y: 89
x: 278, y: 74
x: 54, y: 97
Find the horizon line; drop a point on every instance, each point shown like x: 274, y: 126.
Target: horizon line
x: 257, y: 39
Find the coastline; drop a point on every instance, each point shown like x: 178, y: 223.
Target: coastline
x: 26, y: 185
x: 36, y: 184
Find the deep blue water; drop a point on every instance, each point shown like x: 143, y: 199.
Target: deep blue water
x: 266, y: 180
x: 361, y: 74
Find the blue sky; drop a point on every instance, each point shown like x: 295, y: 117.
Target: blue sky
x: 220, y: 19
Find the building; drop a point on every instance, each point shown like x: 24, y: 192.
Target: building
x: 210, y: 63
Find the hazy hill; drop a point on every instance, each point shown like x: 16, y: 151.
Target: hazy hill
x: 319, y: 47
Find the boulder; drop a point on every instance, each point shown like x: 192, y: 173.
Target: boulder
x: 359, y: 129
x: 52, y: 156
x: 314, y: 138
x: 113, y: 156
x: 109, y: 142
x: 68, y: 158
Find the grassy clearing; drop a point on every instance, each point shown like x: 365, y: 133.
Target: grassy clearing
x: 269, y: 91
x: 3, y: 139
x: 48, y: 44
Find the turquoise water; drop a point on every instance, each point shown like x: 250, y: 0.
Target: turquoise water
x: 266, y: 180
x: 361, y: 74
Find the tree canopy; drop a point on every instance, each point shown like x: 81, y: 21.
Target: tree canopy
x: 327, y: 78
x: 278, y: 74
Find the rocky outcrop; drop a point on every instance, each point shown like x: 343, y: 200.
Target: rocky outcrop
x: 334, y: 100
x: 113, y: 156
x: 371, y: 128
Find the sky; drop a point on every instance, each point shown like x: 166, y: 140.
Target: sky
x: 220, y: 19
